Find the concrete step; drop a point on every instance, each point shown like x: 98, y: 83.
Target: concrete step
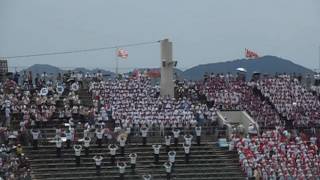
x: 229, y: 166
x: 143, y: 170
x: 65, y: 155
x: 159, y: 174
x: 147, y: 151
x: 180, y: 158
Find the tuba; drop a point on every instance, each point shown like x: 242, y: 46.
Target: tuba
x: 74, y: 86
x: 44, y: 91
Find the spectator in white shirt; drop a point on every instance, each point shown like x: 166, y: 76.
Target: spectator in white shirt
x: 113, y: 149
x: 188, y: 139
x: 133, y: 158
x: 122, y: 142
x: 186, y: 148
x: 176, y: 133
x: 86, y: 144
x: 172, y: 158
x: 167, y: 142
x: 122, y: 169
x: 99, y: 135
x: 156, y: 152
x: 168, y: 166
x: 35, y: 137
x: 144, y: 133
x: 98, y: 161
x: 252, y: 130
x: 77, y: 153
x: 58, y: 146
x: 198, y: 134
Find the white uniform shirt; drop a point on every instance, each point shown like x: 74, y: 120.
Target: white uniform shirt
x: 86, y: 142
x: 168, y: 167
x: 128, y: 130
x: 122, y: 142
x: 77, y: 152
x: 99, y: 134
x: 156, y: 149
x: 144, y: 132
x: 313, y: 140
x: 188, y: 139
x: 68, y: 135
x: 168, y: 140
x: 172, y: 156
x: 186, y: 149
x: 133, y: 158
x: 98, y: 160
x: 198, y: 131
x: 122, y: 169
x: 176, y: 133
x: 113, y: 150
x: 35, y: 135
x: 58, y: 143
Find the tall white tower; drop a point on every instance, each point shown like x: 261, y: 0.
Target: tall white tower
x: 167, y: 65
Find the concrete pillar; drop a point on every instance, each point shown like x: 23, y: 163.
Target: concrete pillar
x: 167, y: 65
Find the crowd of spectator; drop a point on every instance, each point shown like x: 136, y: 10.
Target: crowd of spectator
x: 293, y: 101
x: 14, y: 165
x: 27, y: 105
x: 232, y: 93
x: 279, y: 154
x: 316, y: 91
x: 135, y: 103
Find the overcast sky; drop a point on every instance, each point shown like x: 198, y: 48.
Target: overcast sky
x: 202, y: 31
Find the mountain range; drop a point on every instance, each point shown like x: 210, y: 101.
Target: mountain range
x: 263, y: 65
x: 53, y: 70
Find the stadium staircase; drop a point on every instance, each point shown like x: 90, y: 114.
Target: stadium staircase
x: 207, y: 161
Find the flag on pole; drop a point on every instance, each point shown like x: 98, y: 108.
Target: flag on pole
x: 251, y: 54
x: 122, y: 53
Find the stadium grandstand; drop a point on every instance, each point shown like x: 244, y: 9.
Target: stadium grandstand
x: 84, y: 126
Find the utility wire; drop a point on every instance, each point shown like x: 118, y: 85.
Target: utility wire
x: 81, y: 50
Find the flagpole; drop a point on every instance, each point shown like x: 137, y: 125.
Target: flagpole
x: 117, y: 63
x: 319, y: 60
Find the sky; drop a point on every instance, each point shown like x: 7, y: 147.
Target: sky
x: 202, y: 31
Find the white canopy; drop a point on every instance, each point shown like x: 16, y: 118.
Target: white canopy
x: 241, y: 69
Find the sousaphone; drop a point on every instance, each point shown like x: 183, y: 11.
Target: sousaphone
x: 44, y: 91
x: 74, y: 87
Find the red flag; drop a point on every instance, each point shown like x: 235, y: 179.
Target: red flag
x: 250, y: 54
x: 122, y: 53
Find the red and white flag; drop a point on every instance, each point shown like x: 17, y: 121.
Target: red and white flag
x: 122, y: 53
x: 250, y: 54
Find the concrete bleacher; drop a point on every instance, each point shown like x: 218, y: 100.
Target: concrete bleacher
x: 207, y: 161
